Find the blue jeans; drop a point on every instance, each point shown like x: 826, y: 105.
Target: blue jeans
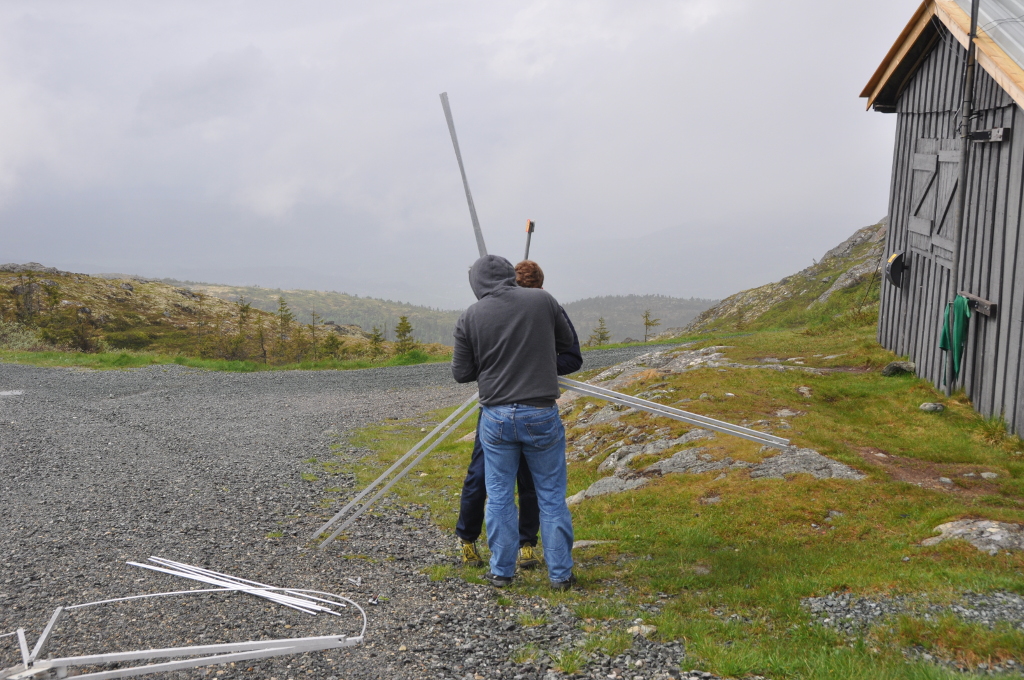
x: 506, y: 432
x: 474, y: 499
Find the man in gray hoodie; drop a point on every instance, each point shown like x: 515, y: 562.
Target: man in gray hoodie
x: 508, y: 342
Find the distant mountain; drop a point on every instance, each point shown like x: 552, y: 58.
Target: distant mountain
x: 429, y: 325
x: 623, y: 314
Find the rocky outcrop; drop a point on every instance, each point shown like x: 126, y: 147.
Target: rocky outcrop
x: 808, y: 461
x: 985, y: 535
x: 845, y: 266
x: 33, y: 267
x: 699, y: 460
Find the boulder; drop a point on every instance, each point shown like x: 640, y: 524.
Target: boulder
x: 795, y: 461
x: 986, y: 535
x: 899, y: 368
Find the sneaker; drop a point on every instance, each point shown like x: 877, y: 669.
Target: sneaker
x: 497, y: 581
x: 470, y: 557
x: 567, y: 584
x: 528, y: 558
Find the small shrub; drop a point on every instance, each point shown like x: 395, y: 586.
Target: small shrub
x: 129, y: 340
x: 18, y: 338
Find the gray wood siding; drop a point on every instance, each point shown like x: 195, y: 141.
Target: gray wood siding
x: 924, y: 177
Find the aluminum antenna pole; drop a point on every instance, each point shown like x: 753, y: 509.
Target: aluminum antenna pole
x: 530, y: 225
x: 465, y: 182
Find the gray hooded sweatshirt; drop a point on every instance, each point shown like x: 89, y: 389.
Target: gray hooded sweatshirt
x: 509, y: 339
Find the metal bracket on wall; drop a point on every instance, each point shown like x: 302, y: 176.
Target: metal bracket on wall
x: 1000, y: 134
x: 980, y: 305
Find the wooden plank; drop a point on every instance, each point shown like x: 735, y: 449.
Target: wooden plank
x: 980, y: 304
x: 898, y: 52
x: 1006, y: 384
x: 919, y: 225
x: 929, y: 162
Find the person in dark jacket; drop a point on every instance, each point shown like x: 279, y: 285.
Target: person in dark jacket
x: 474, y: 494
x: 508, y: 342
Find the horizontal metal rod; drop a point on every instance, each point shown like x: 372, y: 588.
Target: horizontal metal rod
x: 242, y: 581
x: 394, y: 466
x: 306, y: 608
x: 266, y: 647
x: 394, y: 480
x: 676, y: 414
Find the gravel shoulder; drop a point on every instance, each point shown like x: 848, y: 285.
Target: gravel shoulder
x: 101, y: 467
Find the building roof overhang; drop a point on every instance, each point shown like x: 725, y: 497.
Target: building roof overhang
x: 917, y: 40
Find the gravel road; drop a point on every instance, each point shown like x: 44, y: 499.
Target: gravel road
x: 97, y: 468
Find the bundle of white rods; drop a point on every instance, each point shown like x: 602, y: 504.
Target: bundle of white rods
x: 289, y: 598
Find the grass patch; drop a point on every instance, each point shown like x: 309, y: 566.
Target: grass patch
x: 612, y: 644
x: 729, y: 576
x: 309, y: 477
x: 529, y: 620
x: 115, y: 360
x: 526, y: 654
x: 568, y: 660
x: 439, y: 572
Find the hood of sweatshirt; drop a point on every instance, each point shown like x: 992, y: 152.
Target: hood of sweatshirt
x: 490, y: 273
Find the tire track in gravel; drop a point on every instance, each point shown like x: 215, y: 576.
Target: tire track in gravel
x: 100, y: 467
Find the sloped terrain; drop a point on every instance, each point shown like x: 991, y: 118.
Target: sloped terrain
x: 884, y: 543
x: 828, y: 288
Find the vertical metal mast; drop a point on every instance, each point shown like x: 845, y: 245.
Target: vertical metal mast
x: 458, y: 155
x: 967, y: 111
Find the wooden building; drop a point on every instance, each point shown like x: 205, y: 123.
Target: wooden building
x: 921, y: 81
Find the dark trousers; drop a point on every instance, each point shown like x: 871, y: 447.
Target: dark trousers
x: 474, y: 494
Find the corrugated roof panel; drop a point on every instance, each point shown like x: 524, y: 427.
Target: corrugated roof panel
x: 1003, y: 21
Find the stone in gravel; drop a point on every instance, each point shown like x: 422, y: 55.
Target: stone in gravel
x: 932, y: 407
x: 468, y: 437
x: 642, y: 630
x: 899, y: 368
x: 985, y: 535
x: 788, y: 413
x: 945, y: 480
x: 794, y: 461
x: 804, y: 391
x: 989, y: 475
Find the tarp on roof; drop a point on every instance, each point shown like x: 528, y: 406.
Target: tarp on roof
x: 1000, y: 45
x: 1003, y: 21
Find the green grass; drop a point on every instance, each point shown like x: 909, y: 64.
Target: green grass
x: 116, y: 360
x: 755, y: 553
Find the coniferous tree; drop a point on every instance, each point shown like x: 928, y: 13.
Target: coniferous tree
x: 600, y: 334
x: 649, y: 323
x: 376, y: 343
x: 404, y: 341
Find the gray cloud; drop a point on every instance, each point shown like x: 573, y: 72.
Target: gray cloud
x: 689, y: 148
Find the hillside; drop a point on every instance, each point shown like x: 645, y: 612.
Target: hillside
x: 623, y: 313
x: 44, y: 309
x: 429, y: 325
x: 829, y: 287
x: 886, y: 542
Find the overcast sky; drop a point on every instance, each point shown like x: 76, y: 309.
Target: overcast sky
x: 688, y: 148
